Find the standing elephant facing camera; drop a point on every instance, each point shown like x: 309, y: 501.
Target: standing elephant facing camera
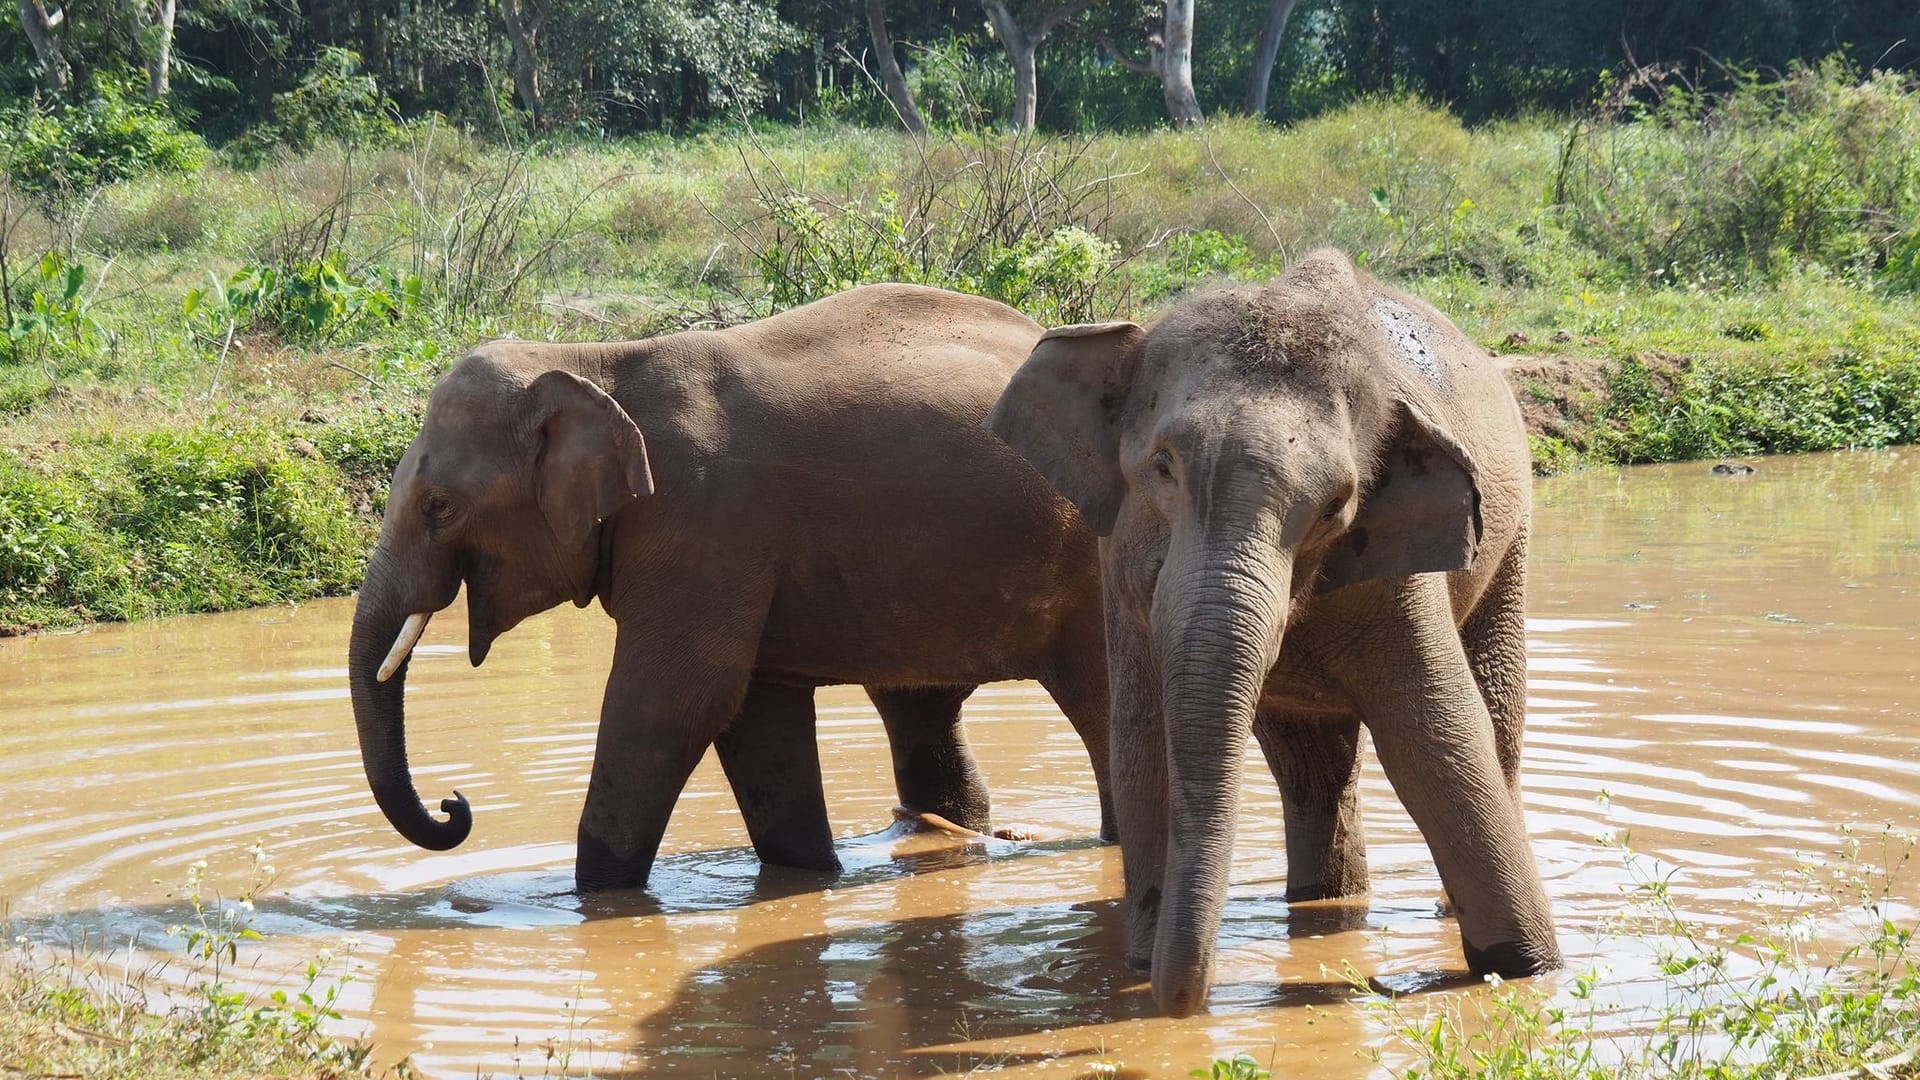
x: 1316, y: 497
x: 805, y: 500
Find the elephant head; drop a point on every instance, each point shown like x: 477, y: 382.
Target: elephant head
x: 505, y: 487
x: 1257, y: 449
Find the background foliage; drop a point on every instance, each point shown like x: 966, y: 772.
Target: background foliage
x: 643, y: 65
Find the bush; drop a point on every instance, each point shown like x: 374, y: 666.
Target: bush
x: 335, y: 99
x: 957, y: 90
x: 1864, y: 398
x: 319, y: 300
x: 48, y: 314
x: 206, y: 519
x: 1817, y: 168
x: 61, y: 155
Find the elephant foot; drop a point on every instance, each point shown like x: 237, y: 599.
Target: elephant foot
x: 826, y: 862
x: 1332, y: 890
x: 1511, y: 959
x: 596, y: 868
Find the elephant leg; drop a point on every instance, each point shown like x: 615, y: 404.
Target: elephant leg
x: 1138, y: 764
x: 1495, y: 638
x: 773, y: 764
x: 1082, y: 694
x: 664, y: 705
x: 1416, y: 693
x: 1316, y: 761
x: 933, y: 768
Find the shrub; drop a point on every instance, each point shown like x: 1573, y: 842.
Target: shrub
x: 335, y: 99
x: 50, y: 317
x: 323, y: 299
x: 1816, y: 168
x: 957, y: 90
x: 61, y: 155
x: 205, y: 519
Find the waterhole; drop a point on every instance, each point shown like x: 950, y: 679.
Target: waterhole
x: 1722, y: 669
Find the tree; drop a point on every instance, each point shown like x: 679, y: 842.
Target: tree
x: 1171, y: 60
x: 43, y: 30
x: 160, y: 49
x: 890, y: 76
x: 1272, y: 31
x: 1176, y: 65
x: 1022, y: 44
x: 523, y: 19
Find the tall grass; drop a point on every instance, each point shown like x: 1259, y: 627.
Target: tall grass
x: 1744, y: 266
x: 78, y: 1008
x: 1825, y: 986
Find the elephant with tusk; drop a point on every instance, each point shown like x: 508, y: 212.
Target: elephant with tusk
x: 805, y: 500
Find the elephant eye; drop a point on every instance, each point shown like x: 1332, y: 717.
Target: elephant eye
x: 1163, y: 464
x: 437, y: 508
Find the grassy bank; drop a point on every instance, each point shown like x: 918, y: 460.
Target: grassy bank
x: 208, y: 376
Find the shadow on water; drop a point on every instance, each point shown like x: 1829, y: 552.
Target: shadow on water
x: 728, y: 879
x: 920, y: 993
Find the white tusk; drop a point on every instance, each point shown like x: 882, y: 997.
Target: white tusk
x: 403, y: 644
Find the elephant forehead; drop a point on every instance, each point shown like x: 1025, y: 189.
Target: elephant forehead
x: 1411, y: 336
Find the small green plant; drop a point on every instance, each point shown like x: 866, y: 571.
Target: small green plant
x: 53, y: 318
x: 320, y: 300
x: 1237, y: 1067
x: 181, y: 1016
x: 1755, y: 1005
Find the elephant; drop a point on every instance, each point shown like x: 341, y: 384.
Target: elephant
x: 1314, y: 499
x: 829, y: 509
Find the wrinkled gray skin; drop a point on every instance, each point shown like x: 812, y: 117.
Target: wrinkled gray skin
x: 1316, y: 498
x: 829, y: 509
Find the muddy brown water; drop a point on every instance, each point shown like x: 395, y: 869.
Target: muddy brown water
x: 1733, y: 660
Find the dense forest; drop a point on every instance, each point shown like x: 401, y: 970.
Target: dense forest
x: 296, y: 70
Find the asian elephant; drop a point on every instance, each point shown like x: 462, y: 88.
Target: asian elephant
x: 1315, y: 502
x: 804, y: 500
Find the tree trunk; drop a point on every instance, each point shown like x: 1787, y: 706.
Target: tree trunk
x: 1176, y: 65
x: 1023, y: 46
x: 1272, y: 32
x: 160, y: 62
x: 522, y: 29
x: 42, y: 30
x: 891, y: 79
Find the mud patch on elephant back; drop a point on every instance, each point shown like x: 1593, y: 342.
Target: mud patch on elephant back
x: 1408, y: 332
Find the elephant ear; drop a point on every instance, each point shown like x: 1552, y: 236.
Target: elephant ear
x: 592, y: 459
x: 1061, y: 413
x: 1420, y: 514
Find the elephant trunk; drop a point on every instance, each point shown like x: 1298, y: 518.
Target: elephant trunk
x: 379, y: 713
x: 1219, y: 638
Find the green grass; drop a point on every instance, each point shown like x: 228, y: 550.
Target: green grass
x: 1825, y: 986
x: 209, y: 375
x: 76, y: 1010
